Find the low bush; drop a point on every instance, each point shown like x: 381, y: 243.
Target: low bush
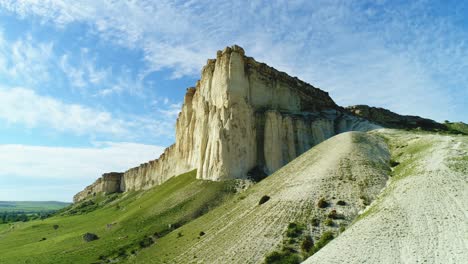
x: 283, y: 257
x: 326, y: 237
x: 335, y: 215
x: 394, y: 163
x: 365, y: 200
x: 88, y: 237
x: 146, y: 242
x: 328, y: 222
x: 315, y: 222
x: 307, y: 244
x: 264, y: 199
x: 294, y: 230
x: 322, y: 203
x: 341, y: 202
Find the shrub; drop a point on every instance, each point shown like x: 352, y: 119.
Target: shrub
x: 341, y: 202
x: 322, y: 203
x: 328, y: 222
x: 179, y: 234
x: 365, y: 200
x: 88, y: 237
x: 307, y: 244
x: 326, y: 237
x: 202, y: 233
x: 334, y: 215
x: 394, y: 163
x: 55, y: 227
x: 315, y: 222
x: 264, y: 199
x: 294, y: 230
x: 282, y: 257
x: 146, y: 242
x: 122, y: 252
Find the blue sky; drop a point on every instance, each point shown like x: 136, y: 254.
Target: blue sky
x: 88, y: 87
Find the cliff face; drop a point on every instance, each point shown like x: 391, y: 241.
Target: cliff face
x: 108, y: 183
x: 390, y: 119
x: 243, y: 118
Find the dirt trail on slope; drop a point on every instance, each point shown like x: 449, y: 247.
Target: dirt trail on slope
x: 422, y: 216
x: 346, y: 167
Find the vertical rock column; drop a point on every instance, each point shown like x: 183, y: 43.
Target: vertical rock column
x: 228, y: 148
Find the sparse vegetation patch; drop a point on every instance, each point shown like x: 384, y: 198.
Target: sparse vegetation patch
x: 307, y: 244
x: 328, y: 222
x: 285, y: 256
x: 294, y: 230
x: 326, y: 237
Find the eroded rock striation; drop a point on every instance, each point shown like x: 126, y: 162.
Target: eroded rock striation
x: 243, y: 118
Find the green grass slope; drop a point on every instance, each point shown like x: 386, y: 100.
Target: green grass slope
x: 124, y: 223
x: 32, y: 206
x: 290, y: 214
x: 457, y: 127
x: 421, y: 216
x: 286, y: 217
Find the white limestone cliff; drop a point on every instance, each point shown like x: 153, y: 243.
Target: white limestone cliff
x: 242, y: 117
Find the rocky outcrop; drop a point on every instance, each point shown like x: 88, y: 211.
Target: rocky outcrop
x: 108, y: 183
x: 243, y: 118
x: 390, y: 119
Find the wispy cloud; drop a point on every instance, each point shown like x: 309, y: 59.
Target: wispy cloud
x: 26, y: 107
x: 23, y: 106
x: 25, y: 60
x: 75, y: 75
x: 34, y: 63
x: 387, y: 53
x: 71, y: 163
x: 56, y: 173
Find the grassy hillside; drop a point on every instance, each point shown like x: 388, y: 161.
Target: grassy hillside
x: 420, y: 217
x: 285, y: 218
x: 31, y: 207
x: 124, y: 223
x: 314, y: 197
x: 457, y: 127
x: 290, y: 214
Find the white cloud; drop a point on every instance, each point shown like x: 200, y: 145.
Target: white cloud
x: 25, y: 60
x: 75, y: 75
x: 405, y: 56
x: 171, y: 111
x: 57, y: 173
x: 33, y: 63
x: 26, y: 107
x: 82, y: 164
